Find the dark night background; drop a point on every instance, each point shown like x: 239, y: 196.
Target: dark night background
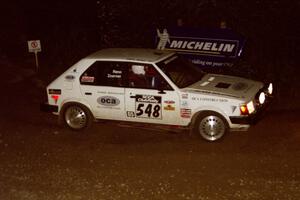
x: 70, y: 30
x: 41, y: 160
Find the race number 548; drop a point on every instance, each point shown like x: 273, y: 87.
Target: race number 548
x: 148, y: 110
x: 148, y: 106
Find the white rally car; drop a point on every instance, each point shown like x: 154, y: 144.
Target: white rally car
x: 152, y: 87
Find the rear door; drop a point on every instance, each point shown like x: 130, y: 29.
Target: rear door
x: 102, y: 86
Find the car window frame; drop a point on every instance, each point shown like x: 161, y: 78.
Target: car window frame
x: 125, y: 79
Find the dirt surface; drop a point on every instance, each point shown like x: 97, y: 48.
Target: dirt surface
x: 40, y: 160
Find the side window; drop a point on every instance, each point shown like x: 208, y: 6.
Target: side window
x: 146, y: 76
x: 105, y: 74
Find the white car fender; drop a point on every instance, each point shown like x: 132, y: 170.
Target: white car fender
x: 77, y: 101
x: 198, y: 110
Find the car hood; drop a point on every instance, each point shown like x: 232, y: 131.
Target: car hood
x: 225, y: 85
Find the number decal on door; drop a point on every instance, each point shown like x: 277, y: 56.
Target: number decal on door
x: 148, y: 106
x: 148, y: 110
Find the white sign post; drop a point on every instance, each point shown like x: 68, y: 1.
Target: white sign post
x: 35, y: 47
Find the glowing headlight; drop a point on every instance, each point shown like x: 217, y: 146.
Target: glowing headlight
x: 250, y: 107
x: 247, y: 109
x: 262, y: 98
x: 270, y: 89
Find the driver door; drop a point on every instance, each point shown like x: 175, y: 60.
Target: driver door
x: 149, y: 98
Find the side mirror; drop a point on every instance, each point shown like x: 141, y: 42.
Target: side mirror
x: 161, y: 91
x: 162, y: 86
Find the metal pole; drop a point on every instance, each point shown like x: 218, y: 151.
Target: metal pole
x: 36, y: 61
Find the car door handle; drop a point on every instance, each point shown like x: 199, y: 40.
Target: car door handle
x: 132, y: 96
x: 88, y: 93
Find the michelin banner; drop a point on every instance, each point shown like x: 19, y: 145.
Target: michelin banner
x: 204, y: 47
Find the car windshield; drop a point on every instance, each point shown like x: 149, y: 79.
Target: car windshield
x: 181, y: 71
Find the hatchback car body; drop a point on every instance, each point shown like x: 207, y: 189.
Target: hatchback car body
x: 154, y: 87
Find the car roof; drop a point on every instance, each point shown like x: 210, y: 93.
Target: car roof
x: 131, y: 54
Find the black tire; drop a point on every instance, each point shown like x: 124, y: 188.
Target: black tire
x: 76, y: 116
x: 211, y: 126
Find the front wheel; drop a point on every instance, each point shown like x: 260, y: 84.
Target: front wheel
x: 210, y: 126
x: 77, y: 117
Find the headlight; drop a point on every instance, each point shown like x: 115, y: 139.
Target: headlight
x: 250, y: 107
x: 270, y: 89
x: 262, y: 98
x: 247, y: 109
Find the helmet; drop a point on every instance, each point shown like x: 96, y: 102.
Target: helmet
x: 138, y: 69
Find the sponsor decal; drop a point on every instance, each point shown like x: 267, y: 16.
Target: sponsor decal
x: 184, y: 96
x: 148, y: 106
x: 54, y: 91
x: 184, y: 103
x: 169, y: 102
x: 130, y: 114
x: 185, y: 113
x: 87, y: 79
x: 148, y: 99
x: 108, y: 101
x: 208, y: 99
x: 219, y: 93
x: 169, y: 108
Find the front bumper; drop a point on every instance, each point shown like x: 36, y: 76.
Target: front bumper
x: 249, y: 119
x: 45, y: 107
x: 254, y: 117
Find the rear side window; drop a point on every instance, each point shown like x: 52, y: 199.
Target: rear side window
x: 105, y: 74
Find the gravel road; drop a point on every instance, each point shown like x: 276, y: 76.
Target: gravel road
x: 40, y: 160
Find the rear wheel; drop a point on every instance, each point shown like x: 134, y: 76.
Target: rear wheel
x: 211, y: 126
x: 77, y: 117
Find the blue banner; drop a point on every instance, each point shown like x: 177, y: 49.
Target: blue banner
x: 204, y: 47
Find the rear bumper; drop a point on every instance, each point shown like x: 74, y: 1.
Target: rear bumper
x: 45, y: 107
